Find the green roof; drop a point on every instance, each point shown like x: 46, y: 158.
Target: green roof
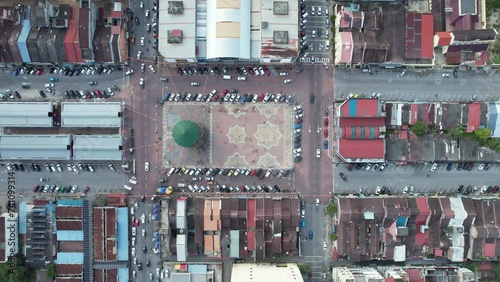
x: 186, y: 133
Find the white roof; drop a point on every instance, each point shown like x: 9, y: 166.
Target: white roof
x: 181, y: 247
x: 35, y: 147
x: 97, y: 147
x: 228, y: 29
x: 250, y: 272
x: 185, y: 22
x: 74, y: 114
x: 29, y: 114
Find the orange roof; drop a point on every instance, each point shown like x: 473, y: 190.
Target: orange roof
x: 210, y: 220
x: 217, y: 243
x: 444, y: 38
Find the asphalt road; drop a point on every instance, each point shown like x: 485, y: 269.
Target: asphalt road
x: 318, y: 24
x: 418, y: 85
x: 313, y: 253
x: 396, y: 177
x: 144, y: 208
x: 140, y: 30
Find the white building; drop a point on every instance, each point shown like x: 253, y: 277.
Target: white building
x: 351, y: 274
x: 228, y: 31
x: 279, y: 272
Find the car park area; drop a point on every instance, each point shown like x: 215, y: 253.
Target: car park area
x: 315, y: 32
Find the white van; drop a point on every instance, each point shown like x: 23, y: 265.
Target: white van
x: 228, y: 77
x: 242, y: 78
x: 127, y: 187
x: 171, y: 171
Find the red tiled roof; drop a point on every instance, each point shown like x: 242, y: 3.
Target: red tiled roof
x: 98, y: 234
x: 413, y: 114
x: 347, y: 47
x: 474, y: 117
x: 444, y: 38
x: 116, y: 200
x: 251, y: 240
x: 345, y: 19
x: 251, y: 216
x: 68, y: 212
x: 355, y: 149
x: 419, y: 36
x: 83, y: 27
x: 116, y: 14
x: 414, y: 275
x: 69, y: 224
x: 69, y: 269
x: 116, y: 29
x: 423, y: 209
x: 355, y: 121
x: 489, y: 250
x: 360, y: 108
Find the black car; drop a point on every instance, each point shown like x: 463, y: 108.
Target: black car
x: 137, y: 21
x: 342, y: 175
x: 259, y: 172
x: 139, y: 266
x: 297, y: 145
x: 67, y: 94
x: 312, y: 98
x: 449, y: 167
x: 286, y: 173
x: 460, y: 189
x: 486, y: 166
x: 297, y: 159
x: 148, y: 263
x: 459, y: 166
x: 144, y: 249
x: 42, y: 94
x: 21, y: 167
x: 17, y: 94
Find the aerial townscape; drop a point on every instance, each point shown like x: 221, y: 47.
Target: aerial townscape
x: 249, y: 141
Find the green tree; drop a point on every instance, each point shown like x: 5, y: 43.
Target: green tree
x: 482, y: 135
x: 17, y: 271
x: 304, y: 268
x: 457, y: 132
x: 51, y: 271
x: 101, y: 201
x: 496, y: 269
x: 472, y: 266
x: 419, y: 128
x: 332, y: 237
x: 331, y: 208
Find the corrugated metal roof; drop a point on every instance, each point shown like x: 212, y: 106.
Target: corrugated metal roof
x: 83, y: 27
x: 51, y: 44
x: 59, y: 45
x: 32, y: 45
x: 43, y: 35
x: 99, y: 234
x: 69, y: 269
x: 97, y: 147
x: 14, y: 49
x: 69, y: 258
x: 69, y: 41
x: 91, y: 114
x: 122, y: 237
x: 28, y: 114
x: 4, y: 38
x: 35, y: 147
x: 21, y: 42
x: 68, y: 224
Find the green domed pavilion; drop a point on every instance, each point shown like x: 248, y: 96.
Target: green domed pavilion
x: 187, y: 133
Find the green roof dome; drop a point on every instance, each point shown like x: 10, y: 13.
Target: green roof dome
x: 186, y: 133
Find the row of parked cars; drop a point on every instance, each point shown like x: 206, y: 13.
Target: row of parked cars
x: 230, y: 95
x: 367, y: 167
x: 212, y: 172
x: 76, y: 168
x: 58, y: 189
x: 235, y: 189
x: 90, y: 94
x: 252, y: 70
x: 10, y: 94
x: 297, y: 131
x: 91, y: 70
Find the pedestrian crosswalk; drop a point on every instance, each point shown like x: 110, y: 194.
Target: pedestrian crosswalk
x: 316, y: 60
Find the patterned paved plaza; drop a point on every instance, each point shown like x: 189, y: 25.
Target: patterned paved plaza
x: 236, y: 136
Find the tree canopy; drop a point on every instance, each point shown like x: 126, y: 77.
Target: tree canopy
x: 419, y: 128
x: 482, y: 135
x: 17, y: 272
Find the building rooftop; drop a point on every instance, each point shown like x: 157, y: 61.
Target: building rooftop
x: 35, y: 147
x: 75, y: 114
x: 419, y: 36
x: 178, y: 15
x: 246, y: 272
x: 97, y: 147
x: 28, y: 114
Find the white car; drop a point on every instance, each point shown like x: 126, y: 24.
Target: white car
x: 141, y: 5
x: 129, y: 72
x: 379, y: 189
x: 139, y: 53
x: 74, y: 189
x: 405, y: 190
x: 195, y: 84
x: 286, y: 81
x: 434, y: 166
x: 49, y: 85
x: 318, y: 153
x: 147, y: 13
x: 283, y: 74
x: 133, y: 231
x: 261, y: 70
x: 141, y: 82
x: 142, y: 41
x: 143, y: 67
x: 481, y: 167
x: 324, y: 245
x: 368, y: 167
x: 242, y: 78
x: 146, y: 166
x: 133, y: 252
x: 152, y: 68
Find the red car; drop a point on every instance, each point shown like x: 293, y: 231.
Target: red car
x: 137, y: 222
x: 243, y: 189
x: 325, y: 121
x: 250, y: 70
x: 266, y: 70
x: 154, y: 35
x: 98, y: 93
x: 303, y: 33
x: 261, y: 96
x: 215, y: 98
x: 495, y: 189
x: 351, y: 166
x: 297, y: 121
x: 225, y: 91
x: 35, y: 189
x: 252, y: 173
x: 39, y: 71
x: 87, y: 188
x: 325, y: 132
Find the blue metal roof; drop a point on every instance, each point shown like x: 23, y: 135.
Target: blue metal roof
x: 122, y: 234
x: 22, y: 218
x: 197, y: 268
x: 70, y: 235
x: 123, y: 275
x: 21, y: 41
x: 69, y: 258
x: 70, y: 203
